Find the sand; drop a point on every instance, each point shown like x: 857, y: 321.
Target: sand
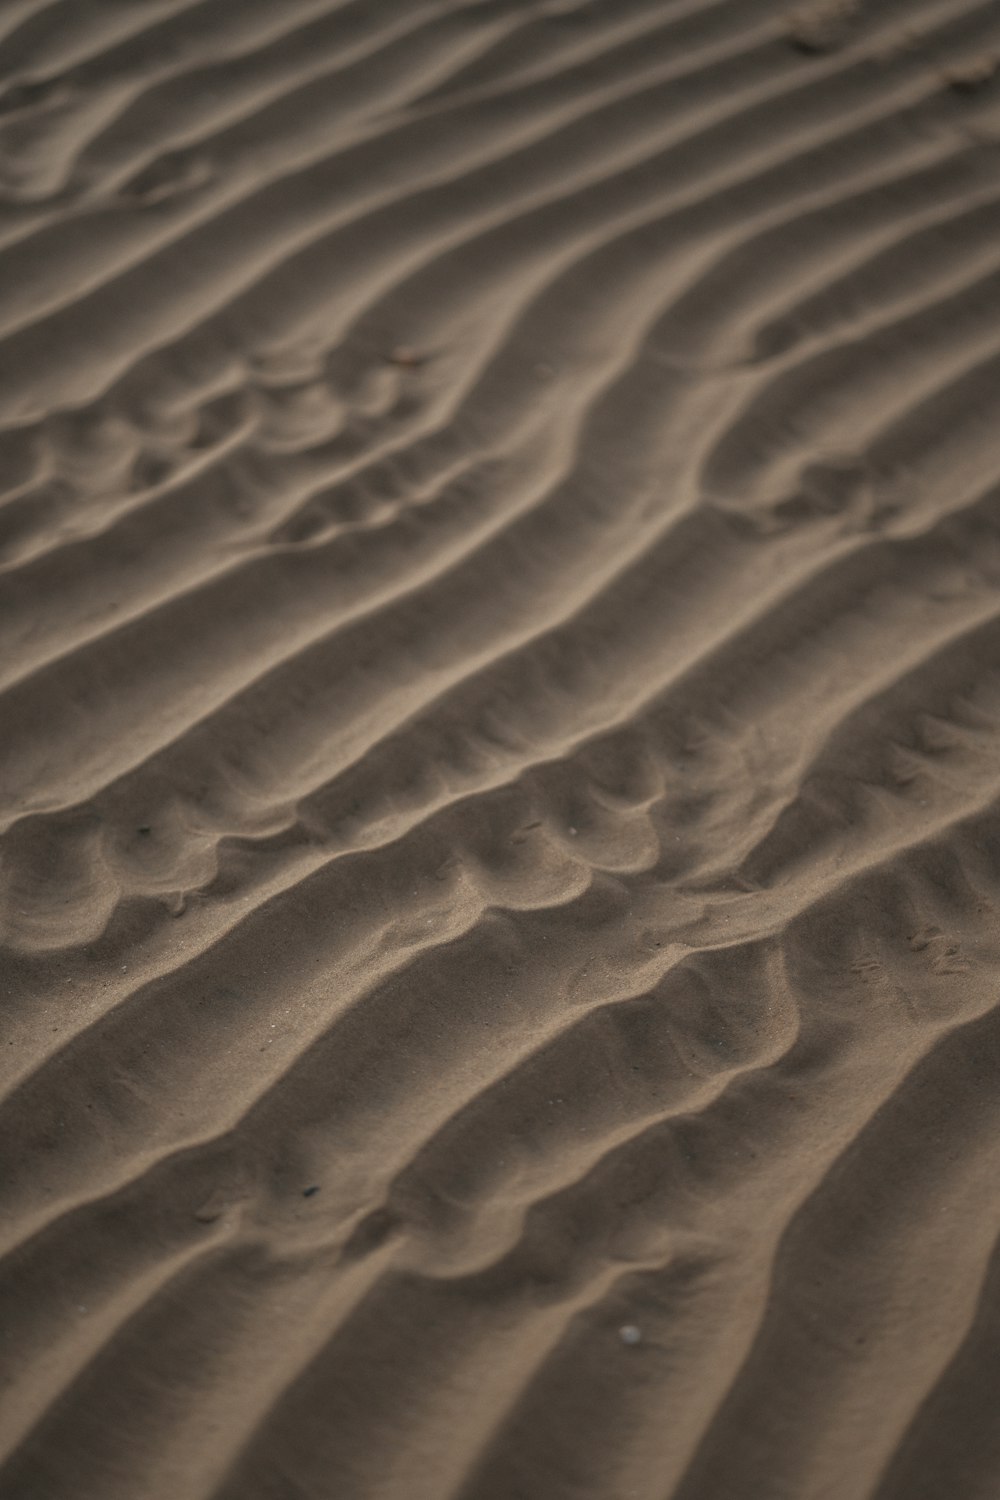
x: 500, y: 630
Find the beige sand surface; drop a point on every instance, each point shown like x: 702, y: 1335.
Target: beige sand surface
x: 499, y: 635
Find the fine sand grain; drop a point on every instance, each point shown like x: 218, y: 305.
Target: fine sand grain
x: 500, y: 699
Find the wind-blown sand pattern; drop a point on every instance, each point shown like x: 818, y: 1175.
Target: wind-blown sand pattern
x: 500, y: 616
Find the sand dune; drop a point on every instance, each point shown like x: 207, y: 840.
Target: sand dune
x: 500, y: 674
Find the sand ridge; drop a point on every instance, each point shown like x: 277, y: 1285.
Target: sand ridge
x: 499, y: 644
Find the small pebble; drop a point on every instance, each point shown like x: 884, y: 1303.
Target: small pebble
x: 407, y: 358
x: 309, y: 1191
x: 630, y: 1334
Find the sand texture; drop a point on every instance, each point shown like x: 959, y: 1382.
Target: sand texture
x: 500, y: 649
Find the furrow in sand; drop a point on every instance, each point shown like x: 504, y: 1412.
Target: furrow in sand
x: 633, y: 1257
x: 590, y: 753
x: 237, y: 157
x: 941, y: 174
x: 126, y: 1106
x: 74, y: 565
x: 888, y: 1314
x: 710, y: 1267
x: 296, y: 70
x: 187, y: 1176
x: 179, y: 186
x: 709, y: 462
x: 196, y: 107
x: 952, y: 1431
x: 15, y: 12
x: 855, y: 571
x: 810, y: 402
x: 77, y: 568
x: 540, y: 48
x: 76, y: 184
x: 499, y: 573
x: 322, y: 1383
x: 219, y: 273
x: 684, y: 44
x: 60, y: 1336
x: 735, y: 971
x: 60, y: 35
x: 525, y: 1037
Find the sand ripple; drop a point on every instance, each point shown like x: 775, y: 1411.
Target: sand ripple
x: 500, y: 675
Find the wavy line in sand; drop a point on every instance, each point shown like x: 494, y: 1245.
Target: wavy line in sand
x: 500, y: 595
